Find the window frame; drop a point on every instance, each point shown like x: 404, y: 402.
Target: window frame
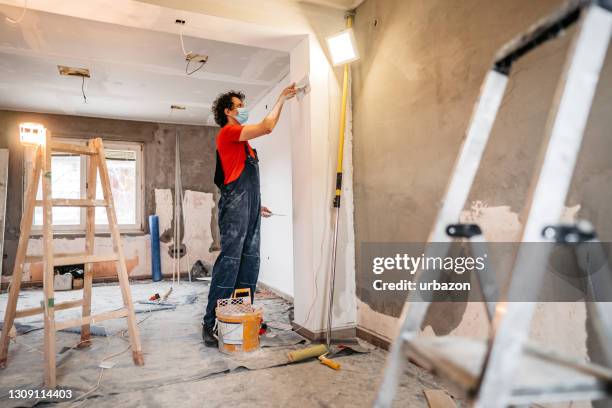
x: 137, y: 227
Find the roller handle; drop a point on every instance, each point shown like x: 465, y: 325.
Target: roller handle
x: 329, y: 363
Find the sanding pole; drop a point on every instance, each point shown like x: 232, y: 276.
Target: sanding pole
x: 349, y: 24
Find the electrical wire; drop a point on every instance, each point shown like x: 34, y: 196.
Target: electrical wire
x: 202, y: 63
x: 83, y: 89
x: 183, y: 44
x: 186, y: 54
x: 23, y: 13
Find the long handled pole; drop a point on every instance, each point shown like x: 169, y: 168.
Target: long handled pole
x: 349, y: 24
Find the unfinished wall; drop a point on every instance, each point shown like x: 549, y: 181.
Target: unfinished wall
x: 413, y: 92
x: 197, y: 166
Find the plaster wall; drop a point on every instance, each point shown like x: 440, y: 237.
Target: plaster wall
x: 315, y: 124
x: 413, y: 92
x: 274, y: 151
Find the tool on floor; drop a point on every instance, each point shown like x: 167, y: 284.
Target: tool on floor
x: 155, y: 297
x: 489, y: 370
x: 319, y: 351
x: 438, y: 399
x: 332, y: 278
x: 166, y: 294
x: 329, y: 362
x: 238, y: 322
x: 306, y: 353
x: 42, y: 165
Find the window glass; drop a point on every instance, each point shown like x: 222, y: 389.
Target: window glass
x: 122, y: 173
x: 65, y: 183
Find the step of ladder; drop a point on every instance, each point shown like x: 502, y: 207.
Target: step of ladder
x: 73, y: 202
x: 115, y: 314
x: 74, y: 259
x: 69, y: 148
x: 58, y: 306
x: 541, y: 374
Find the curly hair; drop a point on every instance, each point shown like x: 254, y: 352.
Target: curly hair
x: 223, y: 102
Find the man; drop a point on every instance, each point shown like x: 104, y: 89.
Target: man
x: 240, y: 210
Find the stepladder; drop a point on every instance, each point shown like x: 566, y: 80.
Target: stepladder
x: 41, y: 174
x: 507, y: 369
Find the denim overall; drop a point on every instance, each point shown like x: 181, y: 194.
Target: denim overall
x: 239, y: 224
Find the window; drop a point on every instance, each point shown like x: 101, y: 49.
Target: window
x: 69, y: 177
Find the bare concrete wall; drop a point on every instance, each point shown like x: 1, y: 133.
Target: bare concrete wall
x: 413, y: 92
x: 197, y: 159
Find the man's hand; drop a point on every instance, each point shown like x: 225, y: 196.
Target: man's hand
x: 288, y: 93
x: 265, y: 212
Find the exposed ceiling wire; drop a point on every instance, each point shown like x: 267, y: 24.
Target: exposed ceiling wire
x: 23, y: 13
x: 187, y: 54
x: 182, y: 43
x: 83, y: 89
x: 202, y: 63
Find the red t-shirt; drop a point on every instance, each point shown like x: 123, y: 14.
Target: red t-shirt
x: 231, y: 151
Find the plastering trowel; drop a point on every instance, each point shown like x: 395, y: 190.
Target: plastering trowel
x: 302, y: 88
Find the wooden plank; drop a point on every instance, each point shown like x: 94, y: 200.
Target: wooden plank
x: 84, y: 259
x: 539, y: 378
x: 115, y: 314
x: 4, y: 157
x: 439, y: 399
x: 121, y: 265
x: 39, y: 258
x: 73, y: 202
x: 22, y: 247
x: 38, y: 310
x: 48, y: 289
x: 75, y: 259
x: 69, y: 148
x: 90, y: 232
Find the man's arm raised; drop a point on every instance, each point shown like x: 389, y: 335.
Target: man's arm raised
x: 269, y: 122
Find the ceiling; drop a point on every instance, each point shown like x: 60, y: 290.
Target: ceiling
x: 136, y: 73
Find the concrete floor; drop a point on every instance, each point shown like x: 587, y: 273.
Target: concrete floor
x: 178, y: 368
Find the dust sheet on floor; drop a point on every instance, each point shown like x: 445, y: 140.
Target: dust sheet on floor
x: 171, y: 337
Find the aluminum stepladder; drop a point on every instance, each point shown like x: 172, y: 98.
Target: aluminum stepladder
x: 42, y: 165
x: 487, y: 371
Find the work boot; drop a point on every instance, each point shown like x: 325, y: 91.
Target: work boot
x: 209, y: 336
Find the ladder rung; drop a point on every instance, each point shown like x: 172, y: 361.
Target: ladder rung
x: 38, y: 310
x: 83, y: 259
x: 115, y: 314
x: 69, y: 148
x: 74, y: 259
x: 72, y: 202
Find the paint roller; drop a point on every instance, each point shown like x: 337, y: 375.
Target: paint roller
x: 318, y: 351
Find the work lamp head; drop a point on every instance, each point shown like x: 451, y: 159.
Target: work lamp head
x: 32, y: 134
x: 342, y: 47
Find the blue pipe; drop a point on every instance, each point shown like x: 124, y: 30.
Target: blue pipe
x: 156, y: 273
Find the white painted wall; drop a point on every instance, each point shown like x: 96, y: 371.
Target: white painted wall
x: 315, y: 126
x: 274, y: 152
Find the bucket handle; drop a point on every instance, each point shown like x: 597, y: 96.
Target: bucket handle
x: 242, y: 290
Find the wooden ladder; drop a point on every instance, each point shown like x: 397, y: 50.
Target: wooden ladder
x: 42, y: 165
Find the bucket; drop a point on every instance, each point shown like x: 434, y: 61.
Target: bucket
x: 238, y: 323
